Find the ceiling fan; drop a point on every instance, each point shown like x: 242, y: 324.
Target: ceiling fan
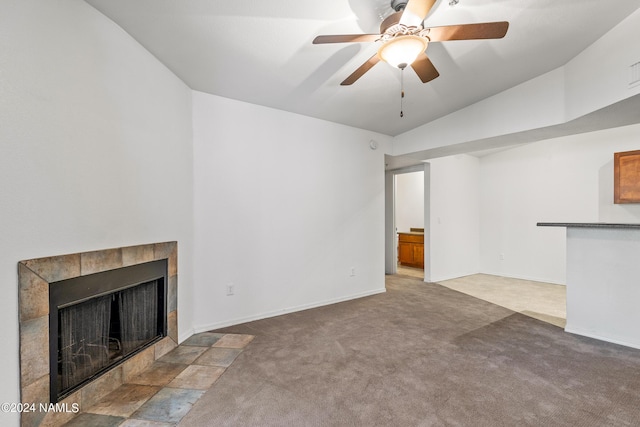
x: 404, y: 39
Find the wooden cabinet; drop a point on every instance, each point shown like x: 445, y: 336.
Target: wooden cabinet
x: 411, y: 249
x: 626, y: 177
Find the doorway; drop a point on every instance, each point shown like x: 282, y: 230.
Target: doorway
x: 406, y: 208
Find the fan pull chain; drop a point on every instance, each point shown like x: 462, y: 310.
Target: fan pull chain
x: 401, y: 91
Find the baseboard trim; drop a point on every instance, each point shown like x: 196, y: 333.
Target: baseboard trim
x: 184, y: 335
x: 217, y: 325
x: 587, y: 334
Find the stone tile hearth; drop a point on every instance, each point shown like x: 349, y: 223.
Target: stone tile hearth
x: 165, y: 392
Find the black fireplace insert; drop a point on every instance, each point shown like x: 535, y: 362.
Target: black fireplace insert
x: 99, y: 320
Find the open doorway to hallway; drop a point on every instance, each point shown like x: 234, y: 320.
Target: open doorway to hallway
x: 409, y: 223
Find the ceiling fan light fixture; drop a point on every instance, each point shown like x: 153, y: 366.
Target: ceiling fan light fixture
x: 401, y: 51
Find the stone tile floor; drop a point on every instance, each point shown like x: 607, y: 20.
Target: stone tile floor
x: 542, y: 301
x: 163, y: 394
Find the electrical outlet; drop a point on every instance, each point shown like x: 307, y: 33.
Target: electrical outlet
x: 230, y: 289
x: 501, y: 257
x: 352, y: 271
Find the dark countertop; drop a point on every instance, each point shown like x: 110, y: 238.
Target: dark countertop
x: 588, y: 225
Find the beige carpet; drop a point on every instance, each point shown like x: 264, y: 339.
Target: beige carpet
x: 420, y: 354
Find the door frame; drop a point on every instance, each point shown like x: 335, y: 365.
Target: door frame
x: 391, y: 250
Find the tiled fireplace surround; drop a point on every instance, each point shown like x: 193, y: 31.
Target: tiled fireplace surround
x: 34, y: 277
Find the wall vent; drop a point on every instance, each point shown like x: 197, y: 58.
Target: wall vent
x: 634, y: 74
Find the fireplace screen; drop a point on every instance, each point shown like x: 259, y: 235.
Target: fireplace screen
x: 84, y: 341
x: 106, y: 321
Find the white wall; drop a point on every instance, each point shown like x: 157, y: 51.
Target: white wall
x: 285, y: 205
x: 409, y: 201
x: 602, y: 284
x: 567, y: 179
x: 502, y: 114
x: 600, y: 75
x: 95, y: 150
x: 594, y: 79
x: 454, y: 217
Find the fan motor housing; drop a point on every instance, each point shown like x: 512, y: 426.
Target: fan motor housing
x: 398, y: 5
x: 390, y: 21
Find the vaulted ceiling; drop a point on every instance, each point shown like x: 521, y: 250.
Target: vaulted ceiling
x: 261, y: 51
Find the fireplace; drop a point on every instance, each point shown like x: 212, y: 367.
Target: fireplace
x: 98, y: 285
x: 100, y: 320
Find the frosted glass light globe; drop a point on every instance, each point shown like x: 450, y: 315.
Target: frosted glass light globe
x: 402, y: 50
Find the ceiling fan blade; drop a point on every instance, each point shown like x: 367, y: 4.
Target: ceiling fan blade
x: 346, y: 38
x: 361, y: 70
x: 424, y: 68
x: 415, y: 12
x: 486, y: 30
